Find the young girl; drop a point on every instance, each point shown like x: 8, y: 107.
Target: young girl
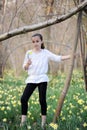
x: 36, y: 64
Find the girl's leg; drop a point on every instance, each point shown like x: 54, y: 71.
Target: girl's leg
x: 30, y: 87
x: 42, y: 87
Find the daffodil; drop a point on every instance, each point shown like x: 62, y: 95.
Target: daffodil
x: 80, y: 101
x: 2, y: 108
x: 29, y: 127
x: 85, y: 108
x: 63, y: 118
x: 54, y: 125
x: 4, y: 120
x: 85, y: 124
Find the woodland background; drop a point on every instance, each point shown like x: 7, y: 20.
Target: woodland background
x: 58, y: 38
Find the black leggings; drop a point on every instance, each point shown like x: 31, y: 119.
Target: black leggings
x: 30, y: 87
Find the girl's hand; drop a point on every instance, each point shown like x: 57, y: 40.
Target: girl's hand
x: 28, y: 63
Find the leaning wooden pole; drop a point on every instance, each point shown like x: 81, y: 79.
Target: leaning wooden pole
x: 69, y: 73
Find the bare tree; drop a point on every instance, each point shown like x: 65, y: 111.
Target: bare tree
x: 45, y: 24
x: 1, y: 60
x: 1, y: 46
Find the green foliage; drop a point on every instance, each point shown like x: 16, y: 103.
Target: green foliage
x: 74, y: 111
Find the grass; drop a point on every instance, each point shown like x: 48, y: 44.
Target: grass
x: 74, y: 112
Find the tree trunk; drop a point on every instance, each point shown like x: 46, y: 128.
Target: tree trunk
x: 1, y: 60
x: 69, y: 73
x: 48, y: 12
x: 2, y: 8
x: 49, y: 9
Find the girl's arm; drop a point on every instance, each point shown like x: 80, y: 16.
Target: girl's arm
x: 65, y: 57
x: 58, y: 58
x: 27, y: 62
x: 26, y: 66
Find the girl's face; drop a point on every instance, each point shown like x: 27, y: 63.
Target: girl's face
x: 36, y: 42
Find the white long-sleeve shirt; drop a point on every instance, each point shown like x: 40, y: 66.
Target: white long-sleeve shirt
x: 37, y: 71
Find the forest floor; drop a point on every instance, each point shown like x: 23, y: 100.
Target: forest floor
x: 74, y: 112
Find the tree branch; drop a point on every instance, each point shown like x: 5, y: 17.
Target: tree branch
x: 45, y: 24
